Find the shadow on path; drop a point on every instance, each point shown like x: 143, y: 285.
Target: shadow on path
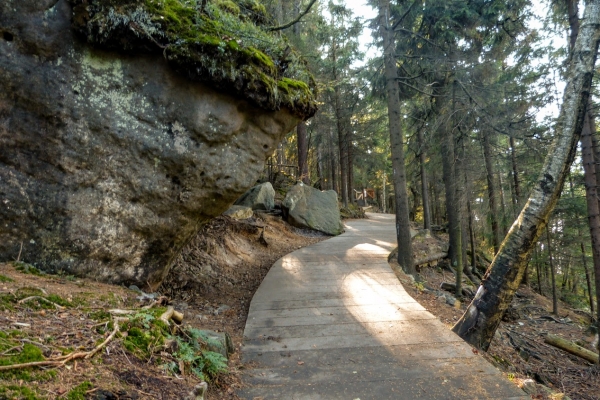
x: 332, y: 321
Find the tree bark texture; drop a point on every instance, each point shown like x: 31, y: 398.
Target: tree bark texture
x: 405, y: 257
x: 479, y: 323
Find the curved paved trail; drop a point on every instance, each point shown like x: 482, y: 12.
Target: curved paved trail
x: 332, y: 321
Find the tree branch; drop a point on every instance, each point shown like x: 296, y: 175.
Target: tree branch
x: 295, y: 21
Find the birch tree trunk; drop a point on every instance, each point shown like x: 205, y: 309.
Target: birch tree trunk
x: 479, y: 323
x: 405, y: 257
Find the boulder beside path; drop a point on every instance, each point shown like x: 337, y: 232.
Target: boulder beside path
x: 259, y: 197
x: 307, y: 207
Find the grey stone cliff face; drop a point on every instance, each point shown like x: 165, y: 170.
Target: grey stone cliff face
x: 109, y: 164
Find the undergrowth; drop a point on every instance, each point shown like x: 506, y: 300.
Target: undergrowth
x: 190, y: 348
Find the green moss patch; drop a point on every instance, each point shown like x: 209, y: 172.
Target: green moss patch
x: 5, y: 279
x: 17, y: 392
x: 79, y: 391
x: 25, y: 354
x: 223, y: 43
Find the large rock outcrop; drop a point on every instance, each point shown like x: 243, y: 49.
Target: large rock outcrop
x: 307, y: 207
x: 110, y: 162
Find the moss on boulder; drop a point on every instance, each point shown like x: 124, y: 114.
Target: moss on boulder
x: 225, y: 44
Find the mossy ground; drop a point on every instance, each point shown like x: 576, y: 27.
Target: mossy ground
x: 223, y: 43
x: 60, y: 316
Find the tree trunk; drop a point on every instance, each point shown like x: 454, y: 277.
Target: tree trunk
x: 567, y: 277
x: 463, y: 199
x: 594, y: 218
x: 332, y: 161
x: 341, y: 128
x: 537, y: 268
x: 479, y: 323
x: 552, y: 273
x: 491, y: 186
x: 452, y: 201
x: 302, y: 152
x: 472, y: 237
x: 424, y: 185
x: 515, y: 175
x: 587, y: 277
x: 350, y: 163
x: 342, y: 149
x: 405, y: 257
x: 383, y: 198
x: 503, y: 215
x: 591, y: 195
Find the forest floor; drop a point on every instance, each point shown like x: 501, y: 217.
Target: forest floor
x: 49, y: 317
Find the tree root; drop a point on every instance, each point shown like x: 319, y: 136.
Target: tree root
x: 171, y: 314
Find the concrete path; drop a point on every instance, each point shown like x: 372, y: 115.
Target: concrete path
x: 332, y: 321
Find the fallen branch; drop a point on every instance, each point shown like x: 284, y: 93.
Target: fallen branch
x: 108, y: 339
x: 58, y: 307
x: 62, y: 360
x: 572, y: 348
x: 430, y: 258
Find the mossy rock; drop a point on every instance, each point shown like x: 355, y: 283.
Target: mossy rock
x: 224, y: 43
x: 353, y: 211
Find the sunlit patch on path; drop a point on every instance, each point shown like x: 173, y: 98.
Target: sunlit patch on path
x: 332, y: 321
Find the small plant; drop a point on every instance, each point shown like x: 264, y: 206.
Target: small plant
x: 194, y: 355
x: 26, y: 268
x: 4, y: 279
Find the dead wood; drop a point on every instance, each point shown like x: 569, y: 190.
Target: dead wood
x: 572, y: 348
x: 62, y: 360
x: 26, y: 299
x: 551, y: 318
x: 431, y: 258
